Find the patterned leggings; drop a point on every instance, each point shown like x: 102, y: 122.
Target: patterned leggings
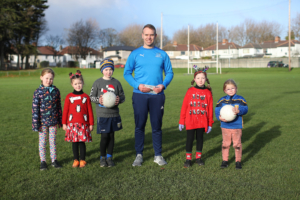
x: 43, y: 142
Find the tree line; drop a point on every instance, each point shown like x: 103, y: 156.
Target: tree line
x: 22, y: 24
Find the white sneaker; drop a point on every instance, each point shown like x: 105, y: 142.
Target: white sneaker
x: 138, y: 160
x: 160, y: 160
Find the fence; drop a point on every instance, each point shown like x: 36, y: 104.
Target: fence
x: 239, y: 62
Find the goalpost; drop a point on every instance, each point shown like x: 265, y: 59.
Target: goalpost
x: 203, y: 62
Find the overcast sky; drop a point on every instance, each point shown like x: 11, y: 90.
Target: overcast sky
x: 177, y: 14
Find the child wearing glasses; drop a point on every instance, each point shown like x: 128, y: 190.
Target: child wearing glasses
x: 232, y: 131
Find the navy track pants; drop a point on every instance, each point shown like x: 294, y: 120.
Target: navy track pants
x: 142, y: 104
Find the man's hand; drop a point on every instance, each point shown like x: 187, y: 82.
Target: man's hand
x: 158, y: 88
x: 142, y: 88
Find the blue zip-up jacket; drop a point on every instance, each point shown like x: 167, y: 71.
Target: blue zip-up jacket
x: 46, y: 107
x: 237, y: 123
x: 148, y: 66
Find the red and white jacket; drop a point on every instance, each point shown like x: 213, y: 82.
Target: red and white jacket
x: 197, y: 109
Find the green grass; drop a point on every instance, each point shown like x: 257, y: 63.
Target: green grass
x: 270, y: 145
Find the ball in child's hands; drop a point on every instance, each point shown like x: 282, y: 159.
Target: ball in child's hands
x: 227, y: 113
x: 109, y: 99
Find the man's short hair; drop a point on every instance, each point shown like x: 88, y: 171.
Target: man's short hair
x: 151, y: 27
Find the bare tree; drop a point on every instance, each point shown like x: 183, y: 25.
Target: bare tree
x: 202, y: 36
x: 54, y: 41
x: 250, y: 31
x: 83, y: 35
x: 108, y: 37
x: 131, y: 35
x: 296, y: 26
x: 166, y: 39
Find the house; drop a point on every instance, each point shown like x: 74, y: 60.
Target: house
x: 225, y: 50
x: 271, y: 48
x: 44, y: 53
x: 69, y: 53
x: 118, y: 53
x: 180, y: 51
x: 283, y: 49
x: 72, y: 53
x: 251, y: 50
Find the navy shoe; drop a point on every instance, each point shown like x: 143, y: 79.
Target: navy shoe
x: 238, y: 165
x: 224, y: 164
x: 43, y: 166
x: 55, y: 164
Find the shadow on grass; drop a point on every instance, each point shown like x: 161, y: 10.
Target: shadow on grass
x: 292, y: 92
x: 247, y: 134
x: 260, y: 142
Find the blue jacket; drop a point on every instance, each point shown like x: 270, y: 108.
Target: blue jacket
x: 46, y: 107
x: 148, y: 66
x: 237, y: 123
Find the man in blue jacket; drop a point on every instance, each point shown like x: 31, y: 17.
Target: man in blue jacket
x: 148, y: 63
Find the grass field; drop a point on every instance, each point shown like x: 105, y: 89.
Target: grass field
x: 270, y: 145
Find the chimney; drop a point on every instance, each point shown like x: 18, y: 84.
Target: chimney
x: 277, y: 39
x: 225, y: 41
x: 60, y: 47
x: 175, y: 44
x: 101, y: 49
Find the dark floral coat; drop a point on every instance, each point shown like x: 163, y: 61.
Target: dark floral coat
x: 46, y: 107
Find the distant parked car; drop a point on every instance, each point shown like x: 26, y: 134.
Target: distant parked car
x: 275, y: 64
x: 119, y: 65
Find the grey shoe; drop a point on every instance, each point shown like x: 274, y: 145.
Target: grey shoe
x: 103, y: 162
x: 110, y: 162
x: 138, y: 160
x: 160, y: 160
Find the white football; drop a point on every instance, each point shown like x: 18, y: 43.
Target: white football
x: 227, y: 113
x: 109, y: 99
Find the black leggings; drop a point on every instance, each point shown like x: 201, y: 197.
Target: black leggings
x: 75, y: 146
x: 190, y: 139
x: 107, y: 142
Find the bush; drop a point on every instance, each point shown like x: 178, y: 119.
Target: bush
x: 58, y: 64
x: 206, y: 58
x: 72, y: 64
x: 44, y: 64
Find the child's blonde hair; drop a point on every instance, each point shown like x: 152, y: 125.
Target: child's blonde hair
x: 46, y: 71
x: 229, y: 82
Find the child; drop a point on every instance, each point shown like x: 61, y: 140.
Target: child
x: 232, y: 130
x: 46, y: 114
x: 196, y: 114
x: 108, y: 119
x: 78, y: 119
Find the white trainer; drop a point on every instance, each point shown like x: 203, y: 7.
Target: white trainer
x: 138, y: 160
x: 160, y: 160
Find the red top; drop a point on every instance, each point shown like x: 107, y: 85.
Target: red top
x: 197, y: 109
x: 78, y: 109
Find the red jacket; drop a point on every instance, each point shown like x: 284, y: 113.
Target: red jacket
x: 78, y: 109
x: 197, y: 109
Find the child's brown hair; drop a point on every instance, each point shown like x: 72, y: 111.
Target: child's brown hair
x: 229, y: 82
x: 77, y: 75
